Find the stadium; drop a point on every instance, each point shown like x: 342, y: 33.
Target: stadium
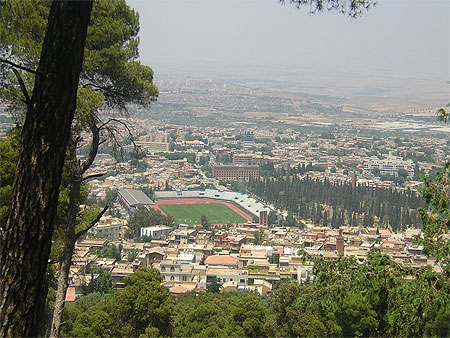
x: 220, y: 207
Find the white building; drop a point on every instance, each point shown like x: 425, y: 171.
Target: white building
x: 390, y: 165
x: 156, y: 232
x: 175, y: 271
x: 226, y: 275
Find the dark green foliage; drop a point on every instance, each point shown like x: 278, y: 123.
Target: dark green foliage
x: 9, y: 153
x: 421, y: 308
x: 101, y: 282
x: 346, y: 299
x: 272, y: 218
x: 215, y: 285
x: 142, y: 307
x: 312, y: 199
x: 436, y: 218
x: 229, y: 314
x: 372, y: 299
x: 144, y: 217
x: 148, y: 190
x: 110, y: 251
x: 144, y: 304
x: 110, y: 197
x: 258, y: 237
x: 205, y: 223
x: 90, y: 315
x: 132, y: 254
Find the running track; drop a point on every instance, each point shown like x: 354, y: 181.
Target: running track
x: 202, y: 201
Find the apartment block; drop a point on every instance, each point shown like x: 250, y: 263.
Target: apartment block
x: 235, y: 173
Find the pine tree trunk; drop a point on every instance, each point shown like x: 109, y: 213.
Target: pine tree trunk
x: 63, y: 280
x: 68, y: 247
x: 77, y: 171
x: 26, y: 239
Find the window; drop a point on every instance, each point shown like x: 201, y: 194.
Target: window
x: 163, y: 268
x: 172, y: 269
x: 184, y: 278
x: 172, y: 278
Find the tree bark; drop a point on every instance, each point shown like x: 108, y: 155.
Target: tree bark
x: 68, y: 243
x: 77, y: 171
x: 26, y: 239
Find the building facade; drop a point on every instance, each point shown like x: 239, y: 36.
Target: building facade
x: 235, y: 173
x: 242, y: 159
x: 390, y: 165
x: 248, y: 138
x: 156, y: 232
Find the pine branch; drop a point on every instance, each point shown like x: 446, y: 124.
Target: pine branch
x: 91, y: 225
x: 93, y: 176
x: 23, y: 88
x: 15, y: 65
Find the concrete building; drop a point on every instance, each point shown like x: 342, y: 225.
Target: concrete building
x: 235, y: 173
x: 390, y: 165
x: 184, y: 236
x: 155, y: 147
x: 260, y: 286
x: 175, y: 271
x: 242, y: 159
x: 113, y: 231
x: 248, y: 138
x: 156, y: 232
x: 226, y: 275
x: 111, y: 228
x: 155, y: 143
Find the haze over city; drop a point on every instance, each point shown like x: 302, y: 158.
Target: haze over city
x: 396, y: 44
x: 264, y: 171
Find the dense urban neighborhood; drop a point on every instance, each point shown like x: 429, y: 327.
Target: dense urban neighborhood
x: 173, y: 164
x: 255, y: 182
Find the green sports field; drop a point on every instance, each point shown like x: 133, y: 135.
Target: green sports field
x: 192, y: 213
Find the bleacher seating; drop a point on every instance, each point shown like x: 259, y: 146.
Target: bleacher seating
x: 247, y: 202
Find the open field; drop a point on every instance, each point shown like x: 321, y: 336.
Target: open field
x: 216, y: 213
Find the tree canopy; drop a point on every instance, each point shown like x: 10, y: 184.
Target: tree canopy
x: 436, y: 218
x: 109, y: 66
x: 346, y: 299
x: 109, y: 73
x: 143, y: 307
x: 144, y: 217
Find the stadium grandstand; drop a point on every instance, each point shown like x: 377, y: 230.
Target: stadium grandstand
x: 132, y: 199
x: 245, y: 201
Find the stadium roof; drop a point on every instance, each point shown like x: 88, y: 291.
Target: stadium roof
x: 135, y: 198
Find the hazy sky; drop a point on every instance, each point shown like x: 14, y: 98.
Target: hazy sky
x: 399, y: 36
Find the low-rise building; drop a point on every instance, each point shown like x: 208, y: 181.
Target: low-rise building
x: 159, y: 232
x: 226, y: 275
x: 222, y: 260
x: 175, y: 271
x: 390, y: 165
